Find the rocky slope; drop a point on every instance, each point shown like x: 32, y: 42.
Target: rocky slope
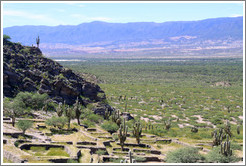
x: 26, y: 69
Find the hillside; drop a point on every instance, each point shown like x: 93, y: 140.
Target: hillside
x: 26, y: 69
x: 103, y: 37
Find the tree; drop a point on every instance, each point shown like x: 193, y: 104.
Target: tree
x: 24, y: 125
x: 13, y: 109
x: 56, y: 122
x: 6, y: 39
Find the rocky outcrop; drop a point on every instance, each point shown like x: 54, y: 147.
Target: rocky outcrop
x: 26, y: 69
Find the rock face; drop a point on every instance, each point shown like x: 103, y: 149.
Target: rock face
x: 26, y: 69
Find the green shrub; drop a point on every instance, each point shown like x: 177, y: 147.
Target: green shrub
x: 88, y: 123
x: 95, y: 118
x: 184, y: 155
x: 110, y: 126
x: 214, y: 156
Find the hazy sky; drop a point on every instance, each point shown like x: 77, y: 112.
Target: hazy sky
x: 52, y: 14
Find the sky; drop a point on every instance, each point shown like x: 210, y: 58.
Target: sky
x: 53, y: 14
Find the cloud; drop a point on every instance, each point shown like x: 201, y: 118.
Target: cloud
x: 86, y: 18
x: 76, y: 4
x: 40, y: 18
x: 236, y: 15
x: 24, y: 14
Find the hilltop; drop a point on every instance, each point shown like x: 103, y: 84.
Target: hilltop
x: 26, y: 69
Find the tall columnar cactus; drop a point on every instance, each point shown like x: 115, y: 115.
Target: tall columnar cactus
x: 116, y: 117
x: 122, y: 134
x: 126, y: 106
x: 69, y: 114
x: 218, y: 137
x: 107, y: 114
x: 238, y: 129
x: 226, y: 148
x: 137, y: 131
x: 130, y: 156
x: 167, y: 124
x: 38, y: 41
x: 78, y: 110
x: 130, y: 160
x: 59, y: 110
x: 227, y: 128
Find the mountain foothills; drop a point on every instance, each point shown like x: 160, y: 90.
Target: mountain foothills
x: 26, y: 69
x: 218, y: 35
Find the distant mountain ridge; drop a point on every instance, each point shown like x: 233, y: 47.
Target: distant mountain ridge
x: 103, y: 37
x: 217, y: 28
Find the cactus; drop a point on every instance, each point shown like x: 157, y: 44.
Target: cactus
x: 122, y: 134
x: 38, y: 41
x: 130, y: 160
x: 238, y: 129
x: 218, y: 137
x: 227, y: 128
x: 45, y: 108
x: 167, y: 124
x: 116, y: 117
x: 194, y: 129
x: 130, y: 156
x: 107, y: 114
x: 137, y: 131
x: 226, y: 148
x: 77, y: 109
x: 126, y: 106
x: 59, y: 110
x: 69, y: 114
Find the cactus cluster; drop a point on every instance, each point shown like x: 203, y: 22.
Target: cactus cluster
x: 226, y: 148
x: 137, y: 131
x: 218, y: 137
x: 122, y: 134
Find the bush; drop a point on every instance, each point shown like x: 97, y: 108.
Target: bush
x: 95, y: 118
x: 88, y: 123
x: 184, y: 155
x: 33, y: 100
x: 214, y: 156
x: 24, y: 125
x: 110, y: 126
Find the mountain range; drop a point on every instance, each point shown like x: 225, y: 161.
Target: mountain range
x: 217, y: 35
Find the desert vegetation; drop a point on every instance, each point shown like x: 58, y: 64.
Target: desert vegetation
x: 183, y: 111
